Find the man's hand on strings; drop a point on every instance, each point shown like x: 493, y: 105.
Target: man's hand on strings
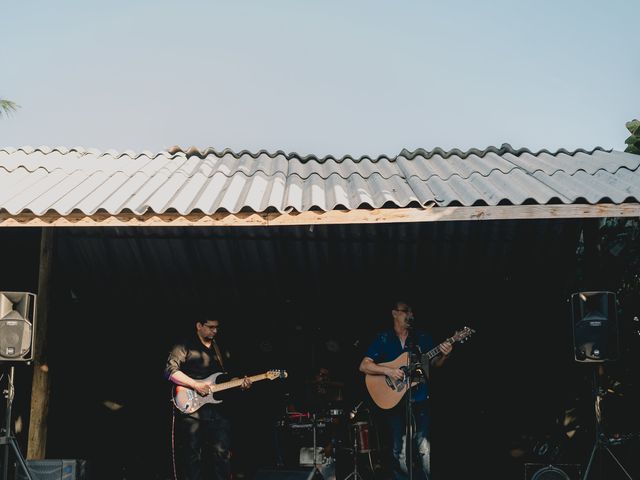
x: 202, y: 388
x: 246, y: 383
x: 395, y: 374
x: 446, y: 348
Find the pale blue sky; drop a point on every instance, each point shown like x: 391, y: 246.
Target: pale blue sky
x: 325, y: 77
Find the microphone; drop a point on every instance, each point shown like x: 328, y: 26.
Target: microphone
x: 410, y: 319
x: 352, y: 413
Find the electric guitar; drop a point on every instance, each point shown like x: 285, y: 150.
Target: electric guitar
x: 386, y: 392
x: 187, y: 400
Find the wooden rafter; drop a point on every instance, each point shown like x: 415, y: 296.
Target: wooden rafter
x: 380, y: 215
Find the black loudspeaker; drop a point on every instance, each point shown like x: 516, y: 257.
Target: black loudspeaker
x: 595, y: 326
x: 305, y: 474
x: 17, y: 326
x: 540, y: 471
x: 54, y: 470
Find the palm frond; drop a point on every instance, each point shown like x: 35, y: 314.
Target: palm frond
x: 7, y: 107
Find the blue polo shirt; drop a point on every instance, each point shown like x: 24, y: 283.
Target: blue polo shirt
x: 387, y: 347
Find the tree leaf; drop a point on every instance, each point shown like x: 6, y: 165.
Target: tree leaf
x: 632, y: 149
x: 633, y: 126
x: 7, y: 107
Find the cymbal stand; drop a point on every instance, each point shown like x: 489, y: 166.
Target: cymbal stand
x: 316, y: 474
x: 354, y: 474
x: 6, y: 439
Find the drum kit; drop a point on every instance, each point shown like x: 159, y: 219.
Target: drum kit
x: 330, y: 440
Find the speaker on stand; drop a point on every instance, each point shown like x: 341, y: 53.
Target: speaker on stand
x: 596, y: 341
x: 595, y: 327
x: 17, y: 325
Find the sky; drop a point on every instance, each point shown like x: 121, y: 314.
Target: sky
x: 319, y: 77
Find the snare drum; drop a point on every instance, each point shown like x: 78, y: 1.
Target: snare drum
x: 361, y: 431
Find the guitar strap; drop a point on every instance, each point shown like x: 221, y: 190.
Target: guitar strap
x: 218, y: 354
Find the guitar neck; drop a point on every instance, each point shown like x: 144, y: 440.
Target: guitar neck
x: 436, y: 351
x: 237, y: 382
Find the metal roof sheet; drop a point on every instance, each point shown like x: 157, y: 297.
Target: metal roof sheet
x: 63, y: 180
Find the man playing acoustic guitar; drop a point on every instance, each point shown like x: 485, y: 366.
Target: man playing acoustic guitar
x: 388, y: 346
x: 201, y: 438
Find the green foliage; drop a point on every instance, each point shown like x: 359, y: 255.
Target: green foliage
x: 633, y: 141
x: 7, y: 107
x: 621, y: 250
x: 617, y: 262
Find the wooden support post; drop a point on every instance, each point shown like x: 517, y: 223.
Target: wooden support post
x: 592, y: 257
x: 40, y: 386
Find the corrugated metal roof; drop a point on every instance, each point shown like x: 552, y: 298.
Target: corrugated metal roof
x: 65, y: 180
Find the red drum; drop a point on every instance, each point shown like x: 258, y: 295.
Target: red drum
x: 298, y: 417
x: 361, y: 430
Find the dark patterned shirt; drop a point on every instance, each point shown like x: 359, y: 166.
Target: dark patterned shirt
x: 192, y: 358
x: 387, y: 347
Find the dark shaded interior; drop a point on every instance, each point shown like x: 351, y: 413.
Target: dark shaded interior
x: 303, y: 297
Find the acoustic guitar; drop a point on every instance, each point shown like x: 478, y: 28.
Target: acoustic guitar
x: 187, y: 400
x: 386, y: 392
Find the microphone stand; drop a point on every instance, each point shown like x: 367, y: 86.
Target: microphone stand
x: 409, y: 412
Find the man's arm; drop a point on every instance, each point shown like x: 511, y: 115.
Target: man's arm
x: 180, y: 378
x: 173, y: 373
x: 368, y: 366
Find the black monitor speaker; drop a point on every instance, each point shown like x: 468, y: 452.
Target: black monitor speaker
x: 17, y: 326
x: 539, y: 471
x: 595, y: 327
x: 293, y: 474
x: 50, y: 469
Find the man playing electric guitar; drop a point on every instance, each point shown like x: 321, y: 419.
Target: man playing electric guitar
x: 388, y: 346
x: 201, y: 438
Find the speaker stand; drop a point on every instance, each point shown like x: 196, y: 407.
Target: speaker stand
x: 600, y: 443
x: 6, y: 439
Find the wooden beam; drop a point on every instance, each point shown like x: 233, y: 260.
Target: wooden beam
x: 591, y: 271
x: 40, y: 386
x: 376, y: 215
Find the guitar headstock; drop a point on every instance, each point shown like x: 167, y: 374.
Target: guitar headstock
x: 462, y: 335
x: 273, y: 374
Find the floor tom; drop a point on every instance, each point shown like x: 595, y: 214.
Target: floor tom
x: 361, y: 431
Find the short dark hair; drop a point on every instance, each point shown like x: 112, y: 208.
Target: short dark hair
x: 205, y: 319
x: 397, y: 303
x: 204, y: 315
